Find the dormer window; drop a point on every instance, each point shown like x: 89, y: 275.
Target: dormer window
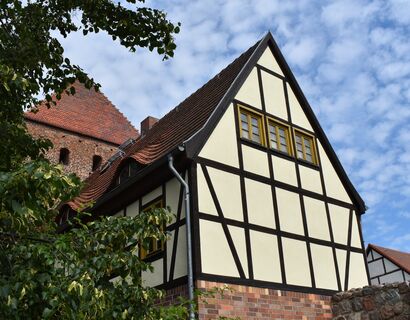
x: 64, y: 156
x: 127, y: 171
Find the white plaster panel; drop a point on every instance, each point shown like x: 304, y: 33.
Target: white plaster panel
x: 290, y: 214
x: 316, y: 218
x: 369, y: 256
x: 260, y: 203
x: 407, y: 276
x: 341, y: 264
x: 265, y: 257
x: 374, y: 281
x: 216, y: 256
x: 249, y: 92
x: 221, y: 145
x: 205, y: 202
x: 324, y: 267
x: 376, y: 268
x: 390, y: 266
x: 339, y: 217
x: 228, y: 190
x: 172, y: 189
x: 296, y: 262
x: 274, y: 95
x: 357, y: 271
x: 155, y: 278
x: 298, y: 115
x: 133, y: 209
x: 392, y: 277
x: 255, y: 161
x: 268, y: 61
x: 355, y: 233
x: 284, y: 171
x: 310, y: 179
x: 180, y: 269
x: 333, y: 184
x: 238, y: 238
x: 376, y: 255
x: 152, y: 195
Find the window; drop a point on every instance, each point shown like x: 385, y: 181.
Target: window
x: 305, y: 147
x: 128, y: 170
x: 64, y: 156
x: 279, y: 137
x: 251, y: 125
x: 96, y: 162
x: 155, y: 245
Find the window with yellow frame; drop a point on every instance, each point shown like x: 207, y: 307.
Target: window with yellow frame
x: 155, y: 246
x: 251, y: 125
x: 279, y: 136
x: 305, y: 147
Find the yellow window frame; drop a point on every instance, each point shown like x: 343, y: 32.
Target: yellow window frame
x: 312, y: 142
x: 251, y: 113
x: 278, y: 124
x: 154, y: 242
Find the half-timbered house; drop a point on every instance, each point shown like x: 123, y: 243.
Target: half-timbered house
x: 387, y: 265
x: 272, y: 211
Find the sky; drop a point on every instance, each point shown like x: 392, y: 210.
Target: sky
x: 351, y: 59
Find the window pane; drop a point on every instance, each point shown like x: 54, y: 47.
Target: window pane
x: 256, y: 138
x: 282, y: 132
x: 300, y: 155
x: 309, y: 157
x: 255, y: 121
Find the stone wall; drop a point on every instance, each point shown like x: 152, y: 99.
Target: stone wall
x: 82, y: 148
x: 391, y: 301
x: 247, y: 303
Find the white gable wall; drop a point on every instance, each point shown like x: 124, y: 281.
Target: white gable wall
x: 264, y: 193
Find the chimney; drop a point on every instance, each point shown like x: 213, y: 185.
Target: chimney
x: 147, y: 124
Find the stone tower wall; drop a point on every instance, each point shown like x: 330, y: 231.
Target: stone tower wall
x: 82, y: 148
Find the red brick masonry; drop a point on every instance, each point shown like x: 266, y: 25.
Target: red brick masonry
x: 245, y: 303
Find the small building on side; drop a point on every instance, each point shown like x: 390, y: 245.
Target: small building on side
x: 387, y: 265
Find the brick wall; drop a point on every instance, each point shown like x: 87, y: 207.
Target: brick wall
x: 391, y: 301
x: 258, y: 303
x: 82, y: 148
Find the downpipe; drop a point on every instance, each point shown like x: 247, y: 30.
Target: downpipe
x: 188, y: 236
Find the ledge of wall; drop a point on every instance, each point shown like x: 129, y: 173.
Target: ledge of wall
x: 391, y: 301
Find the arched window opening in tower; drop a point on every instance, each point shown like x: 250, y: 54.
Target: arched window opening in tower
x: 96, y: 162
x: 64, y: 156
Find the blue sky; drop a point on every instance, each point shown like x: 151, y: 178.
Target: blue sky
x: 351, y: 58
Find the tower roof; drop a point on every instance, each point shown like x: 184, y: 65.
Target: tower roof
x: 89, y: 113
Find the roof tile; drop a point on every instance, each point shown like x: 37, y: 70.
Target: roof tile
x: 89, y: 113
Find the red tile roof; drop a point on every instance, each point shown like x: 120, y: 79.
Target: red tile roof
x: 402, y: 259
x: 170, y: 131
x: 89, y: 113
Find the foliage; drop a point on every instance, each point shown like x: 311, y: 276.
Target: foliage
x: 91, y: 272
x: 43, y: 273
x: 32, y: 60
